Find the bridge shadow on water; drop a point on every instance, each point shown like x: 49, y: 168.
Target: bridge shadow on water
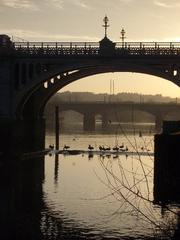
x: 24, y: 214
x: 21, y: 199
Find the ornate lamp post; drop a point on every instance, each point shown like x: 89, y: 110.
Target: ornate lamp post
x: 123, y: 36
x: 105, y: 20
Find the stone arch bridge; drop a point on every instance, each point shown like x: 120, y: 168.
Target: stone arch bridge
x: 31, y: 72
x: 109, y: 109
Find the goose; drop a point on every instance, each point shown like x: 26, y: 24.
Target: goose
x: 107, y: 149
x: 101, y: 148
x: 116, y: 148
x: 51, y: 146
x: 66, y: 147
x: 123, y: 150
x: 121, y: 146
x: 90, y: 147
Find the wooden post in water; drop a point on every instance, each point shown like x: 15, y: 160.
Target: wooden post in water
x: 57, y: 127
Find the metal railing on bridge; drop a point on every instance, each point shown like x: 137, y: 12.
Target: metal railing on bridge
x: 93, y: 48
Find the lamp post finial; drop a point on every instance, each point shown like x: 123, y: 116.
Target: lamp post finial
x: 106, y: 20
x: 123, y: 36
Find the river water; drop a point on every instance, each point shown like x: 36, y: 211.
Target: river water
x: 106, y: 196
x: 86, y: 196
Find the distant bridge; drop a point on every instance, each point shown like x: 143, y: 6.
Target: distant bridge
x: 109, y: 109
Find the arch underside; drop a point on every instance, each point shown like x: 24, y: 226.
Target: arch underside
x: 57, y: 79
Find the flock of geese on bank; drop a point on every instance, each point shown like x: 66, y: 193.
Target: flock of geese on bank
x: 116, y: 148
x: 101, y: 148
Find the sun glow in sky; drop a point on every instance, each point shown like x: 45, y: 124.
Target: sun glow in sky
x: 81, y: 20
x: 125, y: 82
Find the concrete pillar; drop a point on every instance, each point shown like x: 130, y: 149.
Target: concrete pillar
x: 166, y: 168
x: 6, y: 100
x: 24, y: 74
x: 57, y: 127
x: 104, y: 121
x: 20, y: 75
x: 34, y: 134
x: 19, y: 136
x: 21, y: 186
x: 89, y: 122
x: 158, y: 123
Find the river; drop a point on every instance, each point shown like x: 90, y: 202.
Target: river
x: 86, y: 196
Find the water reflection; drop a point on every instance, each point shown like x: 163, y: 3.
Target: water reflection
x: 86, y: 208
x: 56, y: 169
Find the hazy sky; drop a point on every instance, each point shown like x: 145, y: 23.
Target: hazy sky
x: 81, y: 20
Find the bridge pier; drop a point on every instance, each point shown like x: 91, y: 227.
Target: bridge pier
x: 166, y: 167
x: 21, y: 198
x: 89, y: 122
x: 158, y: 123
x: 19, y: 136
x: 34, y: 134
x: 104, y: 121
x: 5, y: 87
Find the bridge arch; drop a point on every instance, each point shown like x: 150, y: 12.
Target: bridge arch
x: 59, y: 78
x: 172, y: 115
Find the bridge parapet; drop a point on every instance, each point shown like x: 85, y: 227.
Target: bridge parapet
x: 93, y: 48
